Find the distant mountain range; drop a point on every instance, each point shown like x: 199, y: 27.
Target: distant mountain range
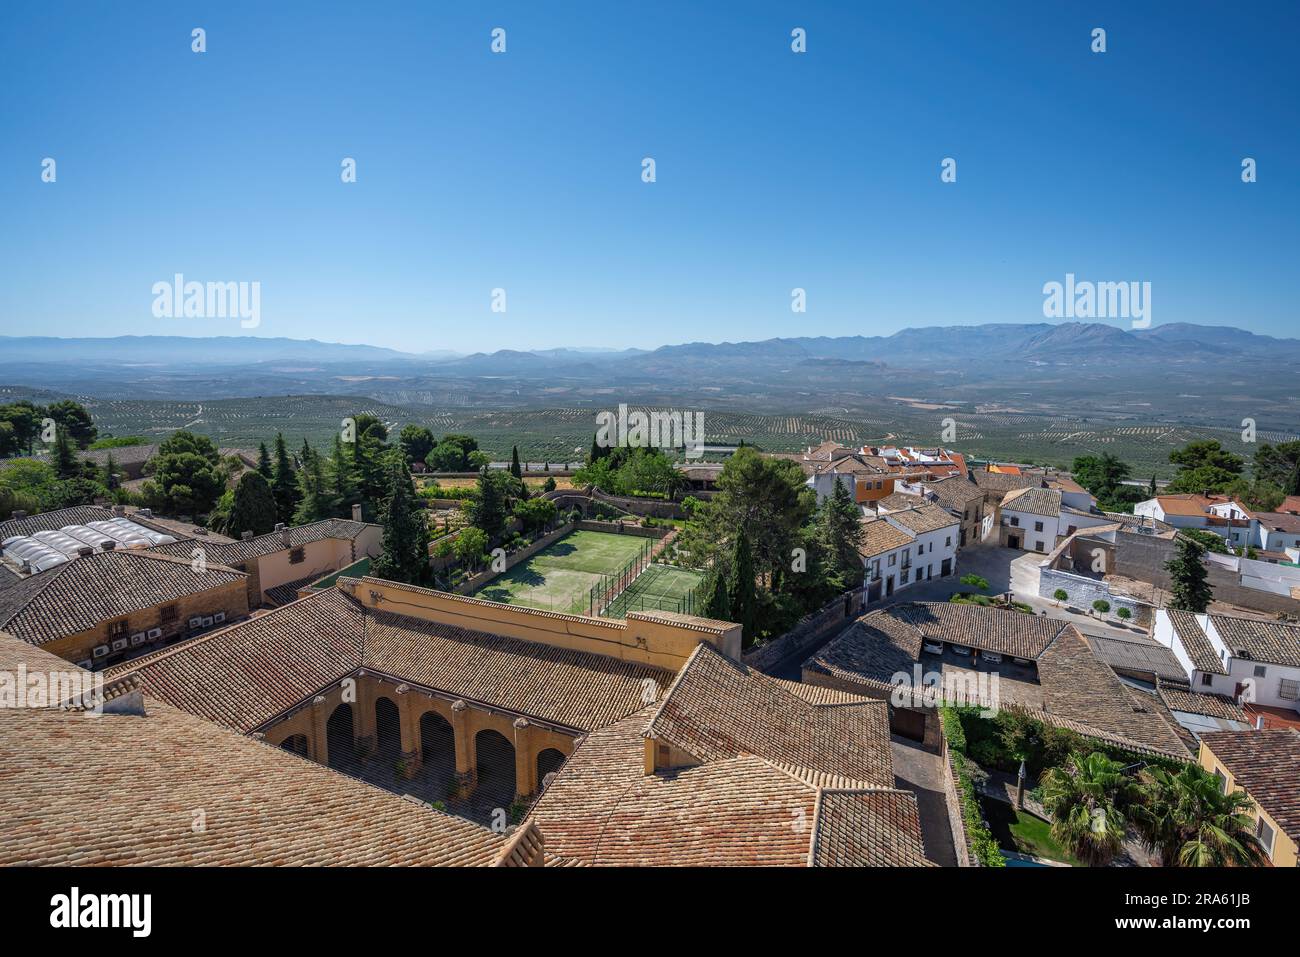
x: 1076, y: 368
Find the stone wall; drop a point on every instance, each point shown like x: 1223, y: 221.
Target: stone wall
x: 1083, y: 591
x: 1143, y: 558
x: 475, y: 582
x: 807, y: 631
x: 960, y: 839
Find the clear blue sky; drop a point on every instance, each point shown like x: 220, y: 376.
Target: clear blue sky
x: 522, y: 170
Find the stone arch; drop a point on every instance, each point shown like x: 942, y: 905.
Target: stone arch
x: 341, y: 741
x: 496, y: 768
x: 388, y: 729
x: 549, y: 761
x: 296, y: 744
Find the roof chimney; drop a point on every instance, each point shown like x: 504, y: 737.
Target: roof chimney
x: 145, y: 513
x: 85, y: 551
x: 284, y: 535
x: 246, y: 535
x: 119, y: 510
x: 109, y: 545
x: 19, y: 513
x: 356, y: 512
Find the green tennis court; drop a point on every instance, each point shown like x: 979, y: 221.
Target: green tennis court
x: 560, y: 576
x: 658, y: 588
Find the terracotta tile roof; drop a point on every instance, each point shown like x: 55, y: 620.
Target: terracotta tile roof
x: 245, y: 675
x: 238, y: 552
x: 1267, y: 765
x: 868, y: 829
x: 923, y: 518
x: 1195, y: 642
x: 718, y: 708
x: 1033, y: 501
x: 603, y: 809
x: 879, y: 537
x: 1271, y: 642
x: 577, y: 689
x: 1190, y: 504
x: 999, y: 482
x: 956, y: 492
x: 127, y: 789
x: 1072, y: 686
x: 122, y: 455
x: 79, y: 594
x: 1211, y: 705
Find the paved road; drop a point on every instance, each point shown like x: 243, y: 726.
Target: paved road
x: 921, y: 771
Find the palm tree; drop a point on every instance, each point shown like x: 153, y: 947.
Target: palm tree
x: 1086, y: 799
x: 1190, y: 822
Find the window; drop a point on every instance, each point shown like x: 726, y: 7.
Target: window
x: 119, y: 628
x: 167, y: 613
x: 1260, y: 671
x: 1015, y: 521
x: 902, y: 578
x: 1223, y: 781
x: 1289, y: 689
x: 296, y: 555
x: 1264, y: 832
x: 1038, y: 526
x: 947, y: 542
x: 893, y: 559
x: 1038, y: 545
x: 1207, y: 679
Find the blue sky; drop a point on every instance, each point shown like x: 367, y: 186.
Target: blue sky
x: 522, y: 170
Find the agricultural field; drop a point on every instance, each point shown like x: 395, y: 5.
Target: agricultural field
x: 560, y: 577
x: 658, y: 588
x: 564, y: 435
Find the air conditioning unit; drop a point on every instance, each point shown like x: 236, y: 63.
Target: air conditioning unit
x: 155, y: 633
x: 119, y: 644
x: 137, y: 639
x: 86, y: 664
x: 219, y: 617
x: 100, y: 651
x: 207, y: 621
x: 196, y: 622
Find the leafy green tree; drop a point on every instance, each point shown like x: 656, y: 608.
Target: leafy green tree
x: 369, y: 473
x: 471, y: 546
x: 1208, y: 540
x: 535, y: 514
x: 1061, y: 595
x: 1277, y: 465
x: 1256, y: 495
x: 1204, y: 465
x: 1087, y: 798
x: 1190, y: 822
x: 975, y: 581
x: 24, y: 425
x: 548, y: 485
x: 741, y: 596
x: 71, y: 417
x: 253, y: 509
x: 284, y: 482
x: 1190, y: 589
x: 367, y: 424
x: 187, y: 478
x: 416, y: 442
x: 405, y: 539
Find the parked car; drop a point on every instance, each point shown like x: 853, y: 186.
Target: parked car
x: 933, y: 647
x: 991, y: 656
x: 962, y: 650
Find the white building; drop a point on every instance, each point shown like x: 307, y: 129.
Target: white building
x: 906, y: 547
x: 1252, y: 660
x: 1211, y: 513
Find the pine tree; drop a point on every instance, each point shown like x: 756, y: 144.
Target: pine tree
x: 405, y: 556
x: 489, y: 512
x: 740, y: 588
x: 284, y: 484
x: 840, y: 533
x: 515, y: 468
x: 65, y: 462
x: 313, y: 504
x: 1293, y: 484
x: 264, y: 462
x: 342, y: 489
x: 1190, y: 589
x: 254, y: 509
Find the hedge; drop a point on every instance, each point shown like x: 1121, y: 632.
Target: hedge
x: 982, y: 843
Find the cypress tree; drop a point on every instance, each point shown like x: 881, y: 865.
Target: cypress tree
x: 312, y: 504
x: 264, y: 462
x: 515, y: 468
x: 110, y: 472
x: 1151, y: 489
x: 254, y: 509
x: 65, y: 462
x: 1190, y: 589
x: 711, y: 600
x: 284, y: 483
x: 740, y: 588
x: 342, y: 489
x: 405, y: 556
